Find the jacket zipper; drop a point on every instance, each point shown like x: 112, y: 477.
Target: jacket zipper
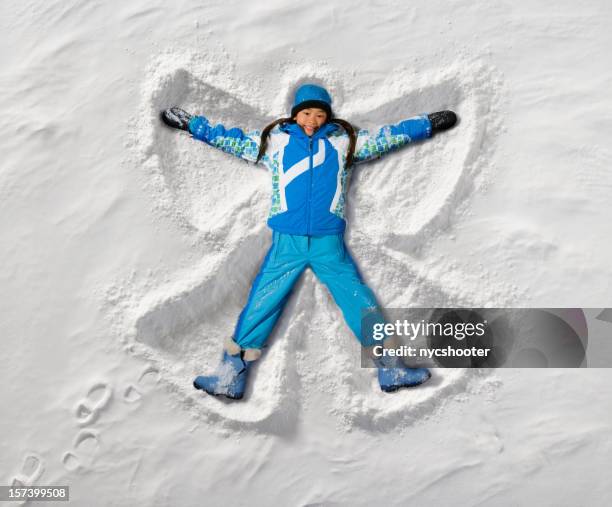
x: 309, y: 187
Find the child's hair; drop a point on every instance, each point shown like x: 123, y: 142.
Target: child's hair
x: 344, y: 124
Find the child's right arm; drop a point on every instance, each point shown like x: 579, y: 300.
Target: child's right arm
x: 233, y: 141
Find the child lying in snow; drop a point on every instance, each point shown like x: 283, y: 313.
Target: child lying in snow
x: 309, y: 155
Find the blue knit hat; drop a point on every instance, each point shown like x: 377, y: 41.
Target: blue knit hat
x: 310, y: 95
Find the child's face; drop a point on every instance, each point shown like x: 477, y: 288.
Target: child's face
x: 311, y: 119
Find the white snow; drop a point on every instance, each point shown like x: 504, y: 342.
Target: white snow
x: 128, y: 250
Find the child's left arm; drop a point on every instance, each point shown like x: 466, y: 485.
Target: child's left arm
x: 392, y: 137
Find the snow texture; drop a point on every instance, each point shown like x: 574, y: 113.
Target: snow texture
x: 128, y: 250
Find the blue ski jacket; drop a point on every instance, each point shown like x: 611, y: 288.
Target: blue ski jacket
x: 309, y: 174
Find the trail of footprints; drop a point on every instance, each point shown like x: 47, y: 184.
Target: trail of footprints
x: 87, y: 441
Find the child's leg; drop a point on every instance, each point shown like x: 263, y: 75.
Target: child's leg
x: 333, y: 265
x: 284, y: 263
x: 335, y: 268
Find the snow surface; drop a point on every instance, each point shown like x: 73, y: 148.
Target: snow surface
x: 128, y: 250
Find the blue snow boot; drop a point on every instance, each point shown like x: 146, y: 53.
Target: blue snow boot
x: 230, y: 379
x: 393, y: 374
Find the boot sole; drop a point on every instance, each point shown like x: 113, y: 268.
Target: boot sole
x: 229, y: 396
x: 392, y: 389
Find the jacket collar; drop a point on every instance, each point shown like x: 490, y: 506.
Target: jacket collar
x: 296, y: 130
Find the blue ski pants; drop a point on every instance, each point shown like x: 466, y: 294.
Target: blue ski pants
x: 288, y: 257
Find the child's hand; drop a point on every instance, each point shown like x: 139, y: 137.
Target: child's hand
x: 442, y: 120
x: 176, y: 118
